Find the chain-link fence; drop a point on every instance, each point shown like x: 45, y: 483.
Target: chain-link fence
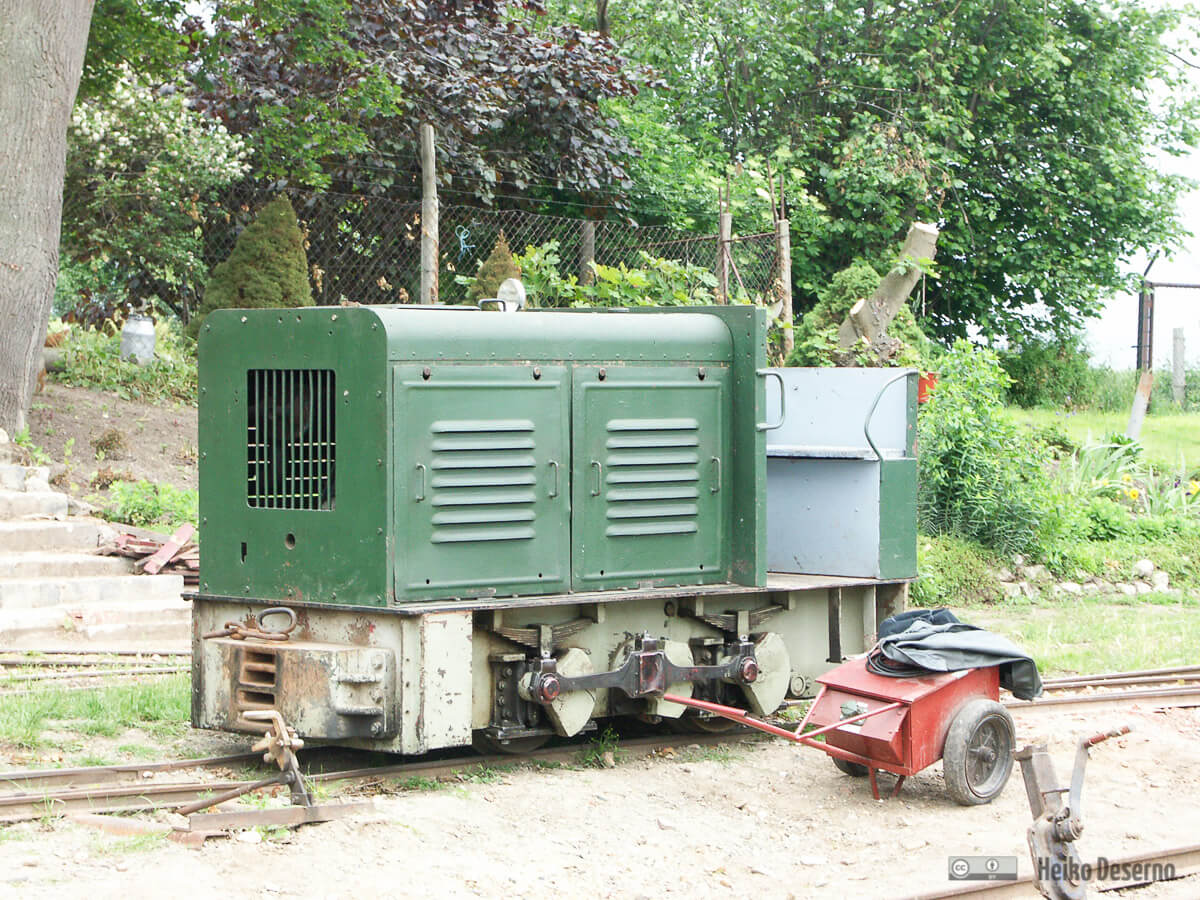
x: 368, y: 249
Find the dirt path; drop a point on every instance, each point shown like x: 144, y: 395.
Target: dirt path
x: 765, y: 820
x: 158, y: 441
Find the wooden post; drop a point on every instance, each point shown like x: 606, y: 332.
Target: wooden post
x: 587, y: 252
x: 1141, y: 402
x: 725, y: 218
x: 1178, y: 373
x: 429, y: 218
x: 783, y: 235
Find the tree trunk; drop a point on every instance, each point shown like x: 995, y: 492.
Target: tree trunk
x: 41, y: 53
x: 870, y: 318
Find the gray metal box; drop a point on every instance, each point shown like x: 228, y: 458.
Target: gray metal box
x: 842, y: 472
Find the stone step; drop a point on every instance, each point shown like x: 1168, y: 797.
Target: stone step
x: 24, y: 478
x: 163, y: 622
x: 92, y: 590
x: 29, y: 535
x: 24, y: 504
x: 53, y: 566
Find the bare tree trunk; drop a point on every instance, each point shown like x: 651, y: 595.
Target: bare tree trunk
x: 869, y: 318
x: 42, y: 43
x: 602, y: 17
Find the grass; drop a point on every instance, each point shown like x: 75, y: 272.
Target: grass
x: 160, y: 707
x: 598, y: 748
x: 1165, y: 436
x: 1091, y: 635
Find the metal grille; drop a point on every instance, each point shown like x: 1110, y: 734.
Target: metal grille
x: 290, y: 438
x: 654, y: 465
x: 483, y: 478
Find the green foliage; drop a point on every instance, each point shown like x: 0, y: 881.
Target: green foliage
x: 147, y: 504
x: 817, y: 333
x: 494, y: 271
x: 981, y: 479
x: 954, y: 571
x: 656, y: 282
x: 1047, y: 371
x: 92, y: 359
x: 1023, y: 134
x: 267, y: 267
x: 140, y: 156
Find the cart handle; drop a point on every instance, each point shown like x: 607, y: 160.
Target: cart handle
x: 741, y: 715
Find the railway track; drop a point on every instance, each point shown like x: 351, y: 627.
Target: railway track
x: 1173, y: 686
x: 49, y: 793
x: 22, y: 674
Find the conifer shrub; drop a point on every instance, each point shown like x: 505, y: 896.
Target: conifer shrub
x: 267, y: 268
x: 498, y: 267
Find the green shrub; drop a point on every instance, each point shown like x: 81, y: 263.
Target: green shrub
x: 953, y: 572
x: 816, y: 334
x: 495, y: 270
x: 1048, y: 372
x: 267, y: 267
x: 92, y: 359
x: 147, y: 504
x: 655, y: 282
x: 981, y: 478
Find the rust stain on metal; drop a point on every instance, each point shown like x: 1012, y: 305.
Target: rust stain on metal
x: 359, y: 631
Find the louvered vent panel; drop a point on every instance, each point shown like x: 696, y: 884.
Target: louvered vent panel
x: 652, y: 476
x: 290, y: 438
x: 483, y: 480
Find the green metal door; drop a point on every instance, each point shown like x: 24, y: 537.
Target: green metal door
x: 481, y: 481
x: 649, y: 476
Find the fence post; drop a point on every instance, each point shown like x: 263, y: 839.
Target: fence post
x: 1178, y: 374
x: 783, y: 236
x: 723, y: 237
x: 587, y: 252
x: 429, y: 218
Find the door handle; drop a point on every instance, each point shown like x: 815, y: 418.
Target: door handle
x: 420, y: 484
x: 716, y: 462
x: 554, y: 490
x: 599, y: 478
x: 771, y: 426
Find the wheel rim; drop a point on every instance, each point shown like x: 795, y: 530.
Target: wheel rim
x: 989, y: 756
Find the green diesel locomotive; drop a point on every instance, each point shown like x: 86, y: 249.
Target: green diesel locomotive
x: 428, y: 526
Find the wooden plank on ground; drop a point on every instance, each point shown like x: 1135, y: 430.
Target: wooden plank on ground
x: 182, y: 535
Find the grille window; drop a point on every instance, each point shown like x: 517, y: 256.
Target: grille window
x: 290, y: 445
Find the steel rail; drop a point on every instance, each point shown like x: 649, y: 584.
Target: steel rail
x: 22, y: 678
x: 33, y: 779
x: 79, y: 662
x: 91, y: 789
x: 1182, y: 679
x: 1180, y: 693
x: 1133, y: 673
x: 1186, y: 861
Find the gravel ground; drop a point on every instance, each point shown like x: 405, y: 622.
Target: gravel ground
x: 757, y: 820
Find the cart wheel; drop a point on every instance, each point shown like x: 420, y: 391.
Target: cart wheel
x: 857, y: 770
x: 979, y: 752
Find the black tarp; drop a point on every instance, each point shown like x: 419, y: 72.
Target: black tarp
x: 934, y: 640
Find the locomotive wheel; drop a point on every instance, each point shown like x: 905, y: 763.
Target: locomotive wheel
x: 856, y: 770
x: 690, y: 723
x: 486, y: 744
x: 978, y: 756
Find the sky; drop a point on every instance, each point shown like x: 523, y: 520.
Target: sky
x: 1112, y: 337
